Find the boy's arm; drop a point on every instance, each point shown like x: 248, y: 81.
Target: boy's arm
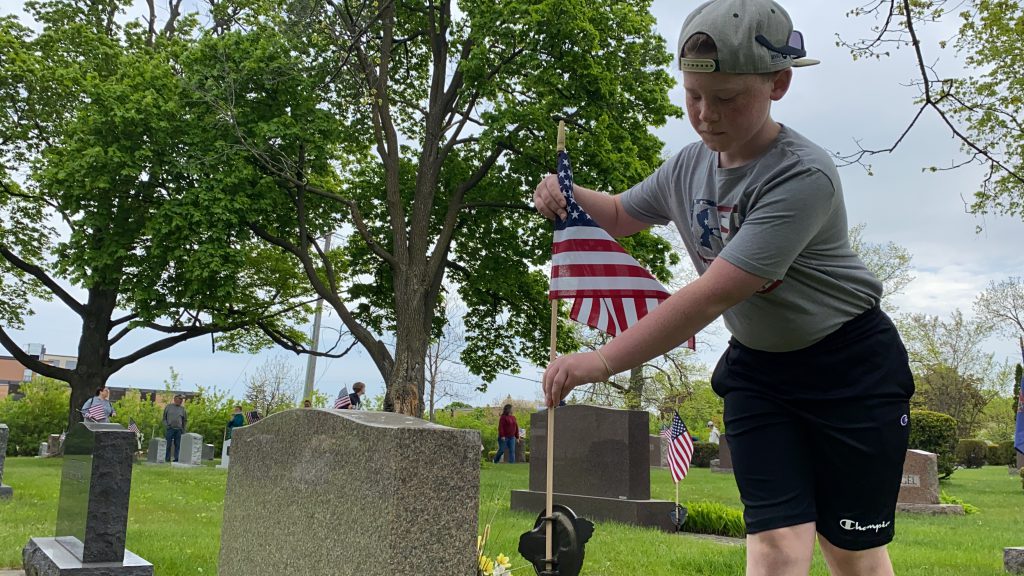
x: 605, y: 209
x: 670, y: 324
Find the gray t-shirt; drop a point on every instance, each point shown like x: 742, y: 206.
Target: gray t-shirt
x: 175, y: 416
x: 780, y: 217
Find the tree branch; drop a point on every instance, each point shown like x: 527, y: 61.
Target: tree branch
x: 40, y: 275
x: 31, y: 363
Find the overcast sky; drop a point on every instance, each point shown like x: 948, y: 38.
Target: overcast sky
x: 835, y: 104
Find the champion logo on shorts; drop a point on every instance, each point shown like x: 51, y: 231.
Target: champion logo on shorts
x: 854, y: 525
x: 904, y: 420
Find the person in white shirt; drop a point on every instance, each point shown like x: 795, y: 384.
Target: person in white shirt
x: 713, y: 435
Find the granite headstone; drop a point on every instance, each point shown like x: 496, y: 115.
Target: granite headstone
x: 157, y: 451
x: 601, y: 466
x: 5, y: 491
x: 44, y: 450
x: 191, y: 453
x: 53, y: 443
x: 919, y: 487
x: 723, y: 463
x: 208, y: 451
x: 658, y: 453
x: 1013, y: 560
x: 339, y: 507
x: 92, y: 514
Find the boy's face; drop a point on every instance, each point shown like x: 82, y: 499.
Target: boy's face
x: 731, y: 112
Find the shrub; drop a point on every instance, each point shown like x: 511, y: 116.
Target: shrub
x: 703, y: 454
x: 971, y: 453
x: 1002, y: 454
x: 43, y: 410
x: 968, y: 508
x: 714, y: 518
x: 934, y: 432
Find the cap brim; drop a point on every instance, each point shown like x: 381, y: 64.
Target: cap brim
x: 800, y: 62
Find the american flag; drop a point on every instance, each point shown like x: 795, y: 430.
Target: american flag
x: 97, y: 411
x: 133, y: 427
x: 612, y: 290
x: 343, y: 400
x: 252, y: 416
x: 680, y: 449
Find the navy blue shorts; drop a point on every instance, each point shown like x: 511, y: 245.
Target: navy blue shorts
x: 820, y: 434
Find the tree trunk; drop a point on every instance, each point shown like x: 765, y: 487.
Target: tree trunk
x: 93, y: 368
x: 634, y: 395
x: 406, y: 385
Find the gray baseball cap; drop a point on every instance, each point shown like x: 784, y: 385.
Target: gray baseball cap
x: 752, y: 36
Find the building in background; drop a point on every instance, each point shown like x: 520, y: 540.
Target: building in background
x: 13, y: 374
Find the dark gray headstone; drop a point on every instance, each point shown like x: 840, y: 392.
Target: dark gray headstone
x: 157, y: 451
x: 92, y: 515
x: 95, y: 484
x: 208, y: 451
x: 601, y: 466
x: 354, y: 493
x: 5, y: 491
x: 658, y: 452
x: 601, y: 451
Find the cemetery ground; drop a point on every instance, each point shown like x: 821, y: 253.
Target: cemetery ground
x: 175, y: 519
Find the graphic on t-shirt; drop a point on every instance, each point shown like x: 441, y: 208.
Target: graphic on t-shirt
x: 712, y: 227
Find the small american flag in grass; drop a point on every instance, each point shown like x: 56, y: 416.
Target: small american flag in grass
x: 133, y: 427
x: 680, y: 449
x: 252, y: 416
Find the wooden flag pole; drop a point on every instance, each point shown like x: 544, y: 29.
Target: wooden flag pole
x: 550, y: 486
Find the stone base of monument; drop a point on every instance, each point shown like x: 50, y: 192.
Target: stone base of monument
x: 48, y: 557
x: 715, y: 467
x: 185, y: 465
x: 649, y: 513
x: 1013, y: 560
x: 931, y: 509
x: 6, y: 491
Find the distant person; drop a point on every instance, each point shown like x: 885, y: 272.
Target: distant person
x: 306, y: 403
x: 713, y: 434
x: 175, y: 420
x: 358, y: 390
x: 98, y: 408
x: 237, y: 421
x: 508, y: 433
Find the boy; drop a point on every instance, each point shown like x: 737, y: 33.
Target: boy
x: 815, y: 379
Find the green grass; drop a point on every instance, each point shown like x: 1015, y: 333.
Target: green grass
x: 175, y: 519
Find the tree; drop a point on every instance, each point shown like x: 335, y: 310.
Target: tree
x: 952, y: 373
x: 42, y: 410
x: 111, y: 199
x: 889, y: 262
x: 273, y: 387
x: 443, y: 381
x: 1002, y: 306
x: 420, y: 131
x: 983, y: 109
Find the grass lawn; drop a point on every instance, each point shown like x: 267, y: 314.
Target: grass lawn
x: 176, y: 514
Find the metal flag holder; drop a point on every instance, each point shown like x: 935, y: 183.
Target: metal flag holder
x: 565, y: 534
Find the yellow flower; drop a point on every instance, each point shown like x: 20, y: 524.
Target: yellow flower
x: 503, y: 561
x: 486, y: 565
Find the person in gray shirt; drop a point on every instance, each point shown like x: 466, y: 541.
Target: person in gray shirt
x: 176, y: 422
x: 816, y: 380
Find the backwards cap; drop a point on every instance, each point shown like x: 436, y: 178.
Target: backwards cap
x: 752, y: 36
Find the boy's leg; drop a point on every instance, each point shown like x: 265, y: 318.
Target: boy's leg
x: 870, y: 562
x: 781, y: 552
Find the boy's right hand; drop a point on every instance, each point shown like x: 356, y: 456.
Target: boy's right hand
x: 548, y: 198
